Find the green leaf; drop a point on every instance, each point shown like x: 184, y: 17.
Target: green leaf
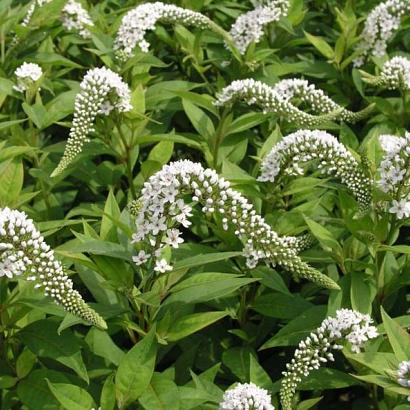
x: 237, y: 360
x: 361, y: 293
x: 107, y: 400
x: 257, y: 373
x: 7, y: 124
x: 101, y: 344
x: 200, y: 121
x: 202, y: 287
x: 308, y: 404
x: 162, y: 152
x: 11, y: 182
x: 71, y: 397
x: 111, y: 212
x: 321, y: 45
x: 203, y: 259
x: 42, y: 339
x: 161, y: 394
x: 385, y: 382
x: 325, y: 378
x: 399, y: 339
x: 136, y: 369
x: 189, y: 324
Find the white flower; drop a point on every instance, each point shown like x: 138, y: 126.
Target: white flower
x: 391, y: 143
x: 141, y: 258
x: 316, y: 349
x: 23, y: 251
x: 333, y: 159
x: 395, y: 74
x: 401, y: 208
x: 102, y: 90
x: 246, y: 396
x: 381, y: 24
x: 27, y: 74
x: 75, y: 18
x: 173, y: 238
x: 31, y: 9
x: 282, y: 98
x: 144, y: 17
x: 162, y: 266
x: 249, y: 27
x: 157, y: 216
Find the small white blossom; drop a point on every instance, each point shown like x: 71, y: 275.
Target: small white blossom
x: 162, y: 266
x: 102, y: 91
x: 403, y: 374
x: 75, y: 18
x: 381, y: 24
x: 332, y: 157
x: 247, y: 396
x: 141, y: 258
x: 282, y: 98
x: 316, y: 349
x: 249, y: 27
x: 27, y: 74
x: 144, y: 17
x: 31, y: 9
x: 401, y: 208
x: 23, y: 252
x: 173, y: 238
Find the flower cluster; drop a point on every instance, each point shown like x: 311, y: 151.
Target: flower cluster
x: 395, y: 74
x: 316, y: 349
x: 248, y: 28
x: 403, y: 374
x: 27, y: 74
x: 280, y: 100
x: 162, y: 207
x: 75, y: 18
x: 301, y: 147
x: 23, y: 251
x: 381, y: 24
x: 31, y: 10
x: 246, y: 396
x: 144, y: 17
x: 394, y: 173
x: 102, y: 91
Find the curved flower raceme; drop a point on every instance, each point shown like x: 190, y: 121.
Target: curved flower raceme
x: 395, y: 75
x: 246, y: 396
x: 303, y: 146
x: 394, y: 173
x: 403, y: 375
x: 144, y: 17
x: 348, y: 325
x: 102, y: 91
x: 279, y: 99
x: 76, y: 18
x: 27, y: 74
x: 381, y: 24
x: 31, y: 10
x: 162, y: 207
x: 248, y: 27
x: 23, y: 251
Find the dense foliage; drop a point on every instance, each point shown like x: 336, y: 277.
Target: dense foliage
x: 204, y: 204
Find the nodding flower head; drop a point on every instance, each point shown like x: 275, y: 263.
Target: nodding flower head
x: 76, y: 18
x: 144, y: 17
x: 394, y: 173
x: 332, y: 158
x: 248, y: 27
x: 395, y: 75
x: 246, y: 396
x: 162, y: 208
x: 380, y: 26
x: 24, y: 253
x: 281, y: 100
x: 102, y: 91
x: 348, y: 326
x: 27, y: 74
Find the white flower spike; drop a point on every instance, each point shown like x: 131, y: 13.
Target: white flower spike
x: 27, y: 74
x: 23, y: 252
x: 76, y: 18
x: 348, y: 325
x: 246, y: 396
x: 332, y: 158
x: 280, y: 99
x: 102, y: 91
x: 161, y: 208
